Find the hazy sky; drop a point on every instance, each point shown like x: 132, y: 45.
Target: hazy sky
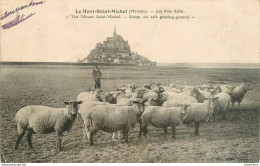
x: 223, y: 31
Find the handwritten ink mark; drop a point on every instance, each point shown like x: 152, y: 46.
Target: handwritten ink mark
x: 8, y: 13
x: 18, y: 19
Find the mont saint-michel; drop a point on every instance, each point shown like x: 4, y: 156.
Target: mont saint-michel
x: 115, y: 50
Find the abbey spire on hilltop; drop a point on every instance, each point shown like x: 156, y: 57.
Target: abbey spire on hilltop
x: 115, y: 50
x: 114, y: 34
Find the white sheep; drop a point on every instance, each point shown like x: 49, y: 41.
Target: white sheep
x: 139, y: 92
x: 223, y: 88
x: 84, y: 109
x: 163, y: 117
x: 113, y: 118
x: 118, y: 97
x: 238, y: 93
x: 194, y: 92
x: 222, y: 104
x: 93, y: 95
x: 158, y: 90
x: 44, y: 120
x: 122, y: 101
x: 175, y: 103
x: 206, y: 93
x: 199, y: 112
x: 167, y: 95
x: 149, y: 94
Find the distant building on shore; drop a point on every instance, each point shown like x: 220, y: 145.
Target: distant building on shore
x: 116, y: 50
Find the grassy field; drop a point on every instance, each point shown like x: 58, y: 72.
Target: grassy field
x: 234, y: 140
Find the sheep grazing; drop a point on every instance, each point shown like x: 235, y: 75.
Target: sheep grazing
x: 199, y: 112
x: 44, y: 120
x: 163, y: 117
x: 239, y: 92
x: 113, y: 118
x: 93, y: 95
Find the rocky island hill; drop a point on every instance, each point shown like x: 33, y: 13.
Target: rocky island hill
x: 115, y: 50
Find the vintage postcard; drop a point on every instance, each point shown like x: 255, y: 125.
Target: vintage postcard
x: 117, y: 81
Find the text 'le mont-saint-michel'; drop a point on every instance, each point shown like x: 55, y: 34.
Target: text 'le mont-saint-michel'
x: 130, y: 14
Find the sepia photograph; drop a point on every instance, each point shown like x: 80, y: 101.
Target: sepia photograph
x: 119, y: 81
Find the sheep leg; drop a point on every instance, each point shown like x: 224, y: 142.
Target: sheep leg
x: 140, y: 132
x: 114, y: 136
x: 232, y: 106
x: 144, y: 130
x: 140, y: 129
x: 214, y: 116
x: 239, y: 109
x: 84, y: 131
x: 224, y: 115
x: 126, y: 135
x: 119, y: 135
x: 19, y: 139
x: 165, y: 132
x: 59, y: 139
x: 173, y: 135
x: 91, y: 138
x: 238, y: 106
x: 29, y: 138
x: 197, y: 125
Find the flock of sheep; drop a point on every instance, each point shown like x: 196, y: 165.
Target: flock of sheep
x: 119, y: 111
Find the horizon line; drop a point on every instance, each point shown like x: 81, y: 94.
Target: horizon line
x: 155, y: 61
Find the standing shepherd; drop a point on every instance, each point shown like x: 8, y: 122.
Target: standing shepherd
x: 96, y: 73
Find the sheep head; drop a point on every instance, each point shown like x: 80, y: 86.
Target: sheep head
x: 147, y: 86
x: 230, y: 89
x: 109, y: 97
x: 139, y: 103
x: 73, y: 106
x: 123, y: 89
x: 217, y: 89
x: 140, y: 92
x: 211, y: 101
x: 184, y: 110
